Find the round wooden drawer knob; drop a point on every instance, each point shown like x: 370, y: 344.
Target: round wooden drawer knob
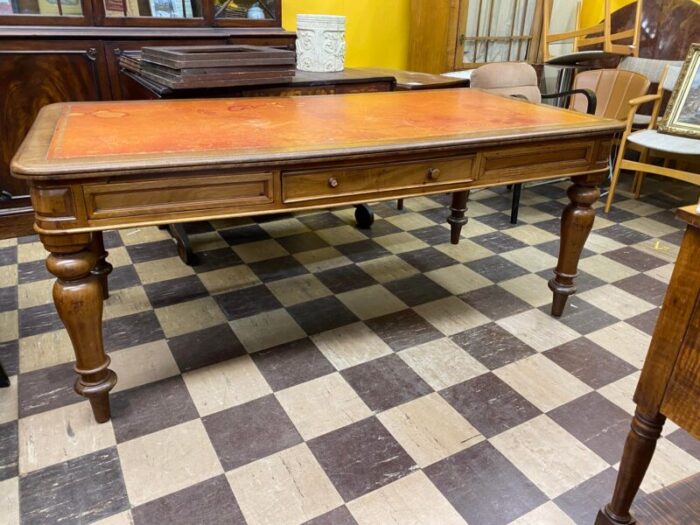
x: 433, y: 173
x: 333, y: 182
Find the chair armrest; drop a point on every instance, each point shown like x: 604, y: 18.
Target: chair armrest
x: 589, y: 94
x: 644, y: 99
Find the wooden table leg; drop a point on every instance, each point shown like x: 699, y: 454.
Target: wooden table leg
x: 102, y: 268
x: 457, y: 218
x: 78, y: 295
x: 639, y: 449
x: 576, y: 224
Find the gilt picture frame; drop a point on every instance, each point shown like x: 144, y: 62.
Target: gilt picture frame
x: 682, y: 115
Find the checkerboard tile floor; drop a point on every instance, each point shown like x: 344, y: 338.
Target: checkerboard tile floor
x: 307, y: 371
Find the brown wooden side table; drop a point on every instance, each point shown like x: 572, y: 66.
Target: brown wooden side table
x: 669, y: 386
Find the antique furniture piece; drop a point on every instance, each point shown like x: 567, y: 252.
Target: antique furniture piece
x: 324, y: 152
x: 650, y: 143
x: 669, y: 386
x: 68, y: 50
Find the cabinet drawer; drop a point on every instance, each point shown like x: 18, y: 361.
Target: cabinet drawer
x: 310, y: 185
x: 107, y: 200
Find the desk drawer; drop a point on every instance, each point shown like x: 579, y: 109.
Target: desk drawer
x: 172, y: 194
x: 311, y: 185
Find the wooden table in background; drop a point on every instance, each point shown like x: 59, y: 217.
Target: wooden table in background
x: 159, y: 162
x: 669, y: 386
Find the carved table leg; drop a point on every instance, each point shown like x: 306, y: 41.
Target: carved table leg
x: 457, y: 218
x: 77, y: 295
x: 639, y: 449
x: 102, y: 268
x: 576, y: 224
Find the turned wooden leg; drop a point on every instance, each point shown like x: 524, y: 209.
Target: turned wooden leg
x: 457, y: 218
x: 102, y: 268
x: 576, y: 224
x: 639, y: 449
x: 77, y: 295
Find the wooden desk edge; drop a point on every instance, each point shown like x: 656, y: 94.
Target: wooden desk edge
x: 690, y: 215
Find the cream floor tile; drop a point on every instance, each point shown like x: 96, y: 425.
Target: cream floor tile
x: 47, y: 349
x: 166, y: 461
x: 421, y: 204
x: 451, y: 315
x: 350, y: 345
x: 532, y: 215
x: 615, y: 301
x: 9, y: 402
x: 605, y: 269
x: 650, y: 227
x: 601, y: 244
x: 532, y: 259
x: 621, y: 391
x: 442, y: 363
x: 162, y: 270
x: 662, y: 273
x: 465, y: 251
x: 8, y: 275
x: 412, y: 500
x: 284, y: 227
x: 530, y: 234
x: 347, y: 214
x: 538, y: 330
x: 411, y: 221
x: 542, y: 382
x: 256, y: 251
x: 146, y: 363
x: 474, y: 228
x: 476, y: 209
x: 668, y: 465
x: 623, y: 340
x: 287, y: 488
x: 548, y: 455
x: 600, y: 221
x: 9, y: 327
x: 35, y: 293
x: 126, y: 301
x: 658, y: 248
x: 389, y: 268
x: 224, y: 385
x: 140, y: 235
x: 322, y: 259
x: 202, y: 242
x: 371, y: 301
x: 458, y: 279
x: 6, y: 243
x: 118, y: 256
x: 638, y: 207
x: 266, y: 330
x: 9, y: 501
x: 400, y: 242
x: 298, y: 289
x: 429, y: 429
x: 61, y: 434
x: 189, y: 317
x: 321, y: 405
x: 341, y: 235
x: 530, y: 288
x: 229, y: 278
x: 547, y: 514
x: 123, y: 518
x: 33, y: 251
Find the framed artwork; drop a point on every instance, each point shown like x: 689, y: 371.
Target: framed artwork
x: 682, y: 115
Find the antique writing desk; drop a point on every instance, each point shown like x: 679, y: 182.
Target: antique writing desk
x: 103, y: 165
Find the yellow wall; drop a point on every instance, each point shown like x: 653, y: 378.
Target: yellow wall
x: 376, y: 31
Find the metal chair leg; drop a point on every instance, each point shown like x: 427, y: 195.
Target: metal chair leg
x: 515, y: 205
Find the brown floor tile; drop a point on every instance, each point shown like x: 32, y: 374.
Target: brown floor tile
x: 247, y: 301
x: 345, y: 278
x: 416, y: 290
x: 495, y: 302
x: 650, y: 289
x: 634, y: 258
x: 292, y: 363
x: 403, y: 329
x: 166, y: 293
x: 205, y: 347
x: 682, y: 439
x: 131, y: 330
x: 8, y: 450
x: 339, y: 516
x: 583, y: 502
x: 47, y: 388
x: 492, y: 346
x: 645, y: 322
x: 278, y: 268
x: 321, y: 315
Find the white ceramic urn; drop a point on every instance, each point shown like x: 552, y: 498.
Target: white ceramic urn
x: 320, y: 43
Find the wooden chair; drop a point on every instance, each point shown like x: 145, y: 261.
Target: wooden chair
x: 597, y: 34
x: 650, y: 143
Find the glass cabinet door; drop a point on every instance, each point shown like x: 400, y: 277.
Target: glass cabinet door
x: 245, y: 9
x: 153, y: 8
x: 41, y: 7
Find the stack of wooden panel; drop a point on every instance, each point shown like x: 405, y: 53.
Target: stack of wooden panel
x: 187, y: 67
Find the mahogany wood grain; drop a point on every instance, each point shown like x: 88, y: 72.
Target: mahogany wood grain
x: 276, y: 154
x: 669, y: 385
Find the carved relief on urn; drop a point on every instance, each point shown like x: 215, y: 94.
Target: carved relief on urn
x: 320, y: 43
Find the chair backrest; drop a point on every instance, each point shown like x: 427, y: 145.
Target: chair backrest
x: 671, y: 79
x: 614, y: 88
x: 507, y: 79
x: 649, y: 67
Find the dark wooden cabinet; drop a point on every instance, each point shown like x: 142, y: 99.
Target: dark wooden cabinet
x: 76, y: 58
